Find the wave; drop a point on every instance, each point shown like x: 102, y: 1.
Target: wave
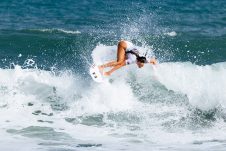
x: 55, y: 30
x: 128, y: 89
x: 152, y: 101
x: 202, y: 85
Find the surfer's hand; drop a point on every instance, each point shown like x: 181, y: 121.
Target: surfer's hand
x: 153, y: 61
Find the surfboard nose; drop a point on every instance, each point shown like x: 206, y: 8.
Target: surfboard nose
x: 95, y: 73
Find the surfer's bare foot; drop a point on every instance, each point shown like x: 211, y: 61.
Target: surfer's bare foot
x: 101, y: 69
x: 106, y: 73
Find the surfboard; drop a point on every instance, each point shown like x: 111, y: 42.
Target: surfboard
x: 96, y: 74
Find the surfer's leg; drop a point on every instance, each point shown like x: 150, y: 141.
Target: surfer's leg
x: 121, y: 56
x: 121, y: 52
x: 109, y: 64
x: 114, y: 69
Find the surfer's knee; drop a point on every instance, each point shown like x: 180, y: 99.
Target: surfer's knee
x: 119, y: 62
x: 122, y: 44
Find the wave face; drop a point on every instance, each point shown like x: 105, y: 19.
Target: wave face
x: 48, y: 101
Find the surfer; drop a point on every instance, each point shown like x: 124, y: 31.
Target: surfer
x: 126, y: 54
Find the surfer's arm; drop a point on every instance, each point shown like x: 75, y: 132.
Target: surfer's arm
x: 115, y: 68
x: 153, y: 61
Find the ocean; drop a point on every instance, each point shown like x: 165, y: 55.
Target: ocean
x: 49, y: 102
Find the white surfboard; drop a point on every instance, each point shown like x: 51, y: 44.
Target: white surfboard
x: 96, y: 74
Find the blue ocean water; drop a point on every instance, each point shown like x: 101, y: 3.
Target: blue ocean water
x: 49, y: 101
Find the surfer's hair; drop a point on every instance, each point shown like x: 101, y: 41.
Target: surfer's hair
x: 141, y: 59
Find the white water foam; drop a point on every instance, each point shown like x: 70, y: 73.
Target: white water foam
x: 203, y: 85
x: 130, y: 121
x: 172, y: 33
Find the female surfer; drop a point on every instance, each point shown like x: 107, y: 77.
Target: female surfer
x: 126, y: 54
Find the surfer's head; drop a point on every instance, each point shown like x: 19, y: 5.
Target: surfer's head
x: 141, y: 61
